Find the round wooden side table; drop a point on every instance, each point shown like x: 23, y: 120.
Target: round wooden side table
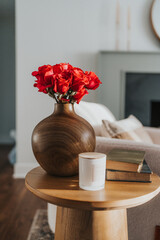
x: 90, y: 215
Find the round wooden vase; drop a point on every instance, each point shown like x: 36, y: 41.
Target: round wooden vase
x: 58, y: 139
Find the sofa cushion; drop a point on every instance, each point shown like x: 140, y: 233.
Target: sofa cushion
x: 130, y: 128
x: 94, y: 113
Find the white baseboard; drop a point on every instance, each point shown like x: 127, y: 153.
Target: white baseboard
x: 21, y: 169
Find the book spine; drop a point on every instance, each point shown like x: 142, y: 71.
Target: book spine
x: 115, y: 180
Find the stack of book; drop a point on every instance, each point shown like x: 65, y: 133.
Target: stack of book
x: 127, y: 165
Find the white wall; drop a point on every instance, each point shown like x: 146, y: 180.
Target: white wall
x: 49, y: 32
x: 141, y: 34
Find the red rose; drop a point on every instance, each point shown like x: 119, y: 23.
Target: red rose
x: 79, y: 79
x: 94, y: 81
x: 62, y: 86
x: 45, y: 74
x: 79, y: 95
x: 34, y: 73
x: 58, y: 68
x: 44, y: 77
x: 64, y: 82
x: 45, y: 68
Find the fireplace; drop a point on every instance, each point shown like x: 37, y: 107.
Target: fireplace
x: 155, y: 113
x: 130, y: 83
x: 142, y: 97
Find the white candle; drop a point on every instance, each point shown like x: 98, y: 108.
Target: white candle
x: 129, y: 18
x: 128, y: 27
x: 118, y: 13
x: 117, y: 25
x: 92, y: 169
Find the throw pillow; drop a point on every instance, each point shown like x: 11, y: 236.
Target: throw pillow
x: 130, y: 129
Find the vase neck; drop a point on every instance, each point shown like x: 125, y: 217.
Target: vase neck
x: 63, y: 108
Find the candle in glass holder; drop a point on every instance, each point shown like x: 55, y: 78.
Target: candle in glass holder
x: 92, y: 169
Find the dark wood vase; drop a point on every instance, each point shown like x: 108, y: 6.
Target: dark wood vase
x: 58, y: 139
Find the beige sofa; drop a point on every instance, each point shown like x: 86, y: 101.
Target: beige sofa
x: 142, y: 219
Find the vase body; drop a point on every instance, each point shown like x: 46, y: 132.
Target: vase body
x: 58, y: 139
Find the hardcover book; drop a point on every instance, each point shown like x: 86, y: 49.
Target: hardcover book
x: 125, y: 160
x: 143, y: 176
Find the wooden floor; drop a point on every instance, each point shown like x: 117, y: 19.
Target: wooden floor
x: 17, y: 204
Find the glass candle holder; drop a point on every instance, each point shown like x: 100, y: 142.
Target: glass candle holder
x: 92, y: 169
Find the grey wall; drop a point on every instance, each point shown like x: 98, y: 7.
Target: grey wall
x: 7, y: 69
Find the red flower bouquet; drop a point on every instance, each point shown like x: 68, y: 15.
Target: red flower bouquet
x: 64, y: 82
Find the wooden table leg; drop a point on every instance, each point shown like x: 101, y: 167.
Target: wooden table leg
x: 74, y: 224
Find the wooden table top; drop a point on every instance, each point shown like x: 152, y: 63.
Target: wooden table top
x: 65, y: 191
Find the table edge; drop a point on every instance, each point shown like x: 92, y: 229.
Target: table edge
x: 95, y: 205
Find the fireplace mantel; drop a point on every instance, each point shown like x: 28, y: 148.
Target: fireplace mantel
x: 112, y: 66
x: 127, y: 52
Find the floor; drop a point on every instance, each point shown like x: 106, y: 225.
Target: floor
x: 17, y: 204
